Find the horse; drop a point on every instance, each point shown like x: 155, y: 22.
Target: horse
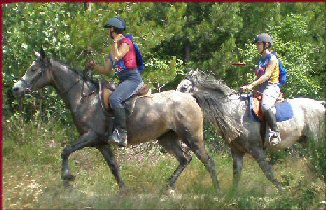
x: 171, y: 117
x: 230, y: 113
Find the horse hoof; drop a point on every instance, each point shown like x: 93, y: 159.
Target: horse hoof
x: 281, y: 189
x: 123, y: 191
x: 171, y: 192
x: 68, y: 177
x: 218, y: 190
x: 67, y: 185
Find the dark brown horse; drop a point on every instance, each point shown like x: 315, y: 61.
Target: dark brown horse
x: 168, y: 116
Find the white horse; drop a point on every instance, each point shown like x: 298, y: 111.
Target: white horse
x: 230, y: 113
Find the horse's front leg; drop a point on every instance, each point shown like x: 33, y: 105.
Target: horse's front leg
x: 259, y: 154
x: 110, y: 159
x: 87, y: 139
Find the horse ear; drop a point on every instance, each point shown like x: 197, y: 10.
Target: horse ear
x: 42, y: 53
x: 196, y: 72
x: 44, y: 58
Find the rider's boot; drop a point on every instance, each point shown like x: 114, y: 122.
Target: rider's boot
x: 119, y: 135
x: 274, y: 134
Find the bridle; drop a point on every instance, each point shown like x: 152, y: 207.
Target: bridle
x: 43, y: 70
x: 82, y: 91
x: 38, y: 76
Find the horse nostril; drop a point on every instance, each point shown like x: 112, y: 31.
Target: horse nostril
x: 15, y: 89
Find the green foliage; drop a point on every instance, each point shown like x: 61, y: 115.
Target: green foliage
x: 173, y: 37
x: 159, y: 72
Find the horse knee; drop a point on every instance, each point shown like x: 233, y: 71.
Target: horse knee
x: 189, y: 159
x: 65, y: 153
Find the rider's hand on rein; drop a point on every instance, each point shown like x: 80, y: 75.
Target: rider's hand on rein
x: 246, y: 88
x: 90, y: 65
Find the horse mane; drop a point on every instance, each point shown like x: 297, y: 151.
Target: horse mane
x: 211, y: 94
x: 80, y: 73
x: 208, y: 81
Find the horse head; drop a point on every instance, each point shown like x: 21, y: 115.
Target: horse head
x: 36, y: 76
x: 189, y: 84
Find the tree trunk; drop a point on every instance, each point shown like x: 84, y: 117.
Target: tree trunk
x: 187, y: 52
x: 20, y: 104
x: 87, y: 6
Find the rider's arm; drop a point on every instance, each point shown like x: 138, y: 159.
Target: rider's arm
x: 116, y: 54
x: 105, y: 69
x: 268, y: 72
x: 119, y: 52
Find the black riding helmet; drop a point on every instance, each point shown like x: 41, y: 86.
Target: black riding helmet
x: 265, y: 38
x: 116, y: 22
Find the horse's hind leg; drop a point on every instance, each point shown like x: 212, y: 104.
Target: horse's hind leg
x: 110, y: 159
x: 196, y: 143
x: 237, y: 157
x: 259, y: 154
x: 170, y: 142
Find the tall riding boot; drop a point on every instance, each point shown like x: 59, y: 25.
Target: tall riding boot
x: 119, y: 135
x: 274, y: 135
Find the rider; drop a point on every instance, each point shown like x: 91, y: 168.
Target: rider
x: 123, y: 60
x: 267, y: 80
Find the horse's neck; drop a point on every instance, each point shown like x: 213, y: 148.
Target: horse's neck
x: 68, y: 84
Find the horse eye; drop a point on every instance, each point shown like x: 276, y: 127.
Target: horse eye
x: 33, y: 69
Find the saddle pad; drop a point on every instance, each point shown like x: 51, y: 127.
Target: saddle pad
x: 283, y: 110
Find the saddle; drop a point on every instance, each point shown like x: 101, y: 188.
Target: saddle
x: 106, y: 88
x: 256, y: 105
x: 283, y: 112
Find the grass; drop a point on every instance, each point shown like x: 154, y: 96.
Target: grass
x: 31, y: 177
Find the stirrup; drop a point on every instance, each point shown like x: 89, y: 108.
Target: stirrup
x: 274, y: 138
x: 118, y: 138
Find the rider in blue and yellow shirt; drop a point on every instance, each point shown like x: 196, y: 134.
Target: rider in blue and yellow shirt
x: 267, y: 81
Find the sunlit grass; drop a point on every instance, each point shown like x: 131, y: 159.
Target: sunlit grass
x: 31, y: 178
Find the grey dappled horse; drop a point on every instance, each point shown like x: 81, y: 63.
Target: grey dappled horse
x: 168, y: 116
x: 229, y: 111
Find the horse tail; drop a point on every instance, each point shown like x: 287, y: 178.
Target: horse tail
x: 211, y: 104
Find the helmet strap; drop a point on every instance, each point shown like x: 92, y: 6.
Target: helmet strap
x: 264, y: 48
x: 111, y: 34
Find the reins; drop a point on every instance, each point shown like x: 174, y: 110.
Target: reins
x: 87, y: 76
